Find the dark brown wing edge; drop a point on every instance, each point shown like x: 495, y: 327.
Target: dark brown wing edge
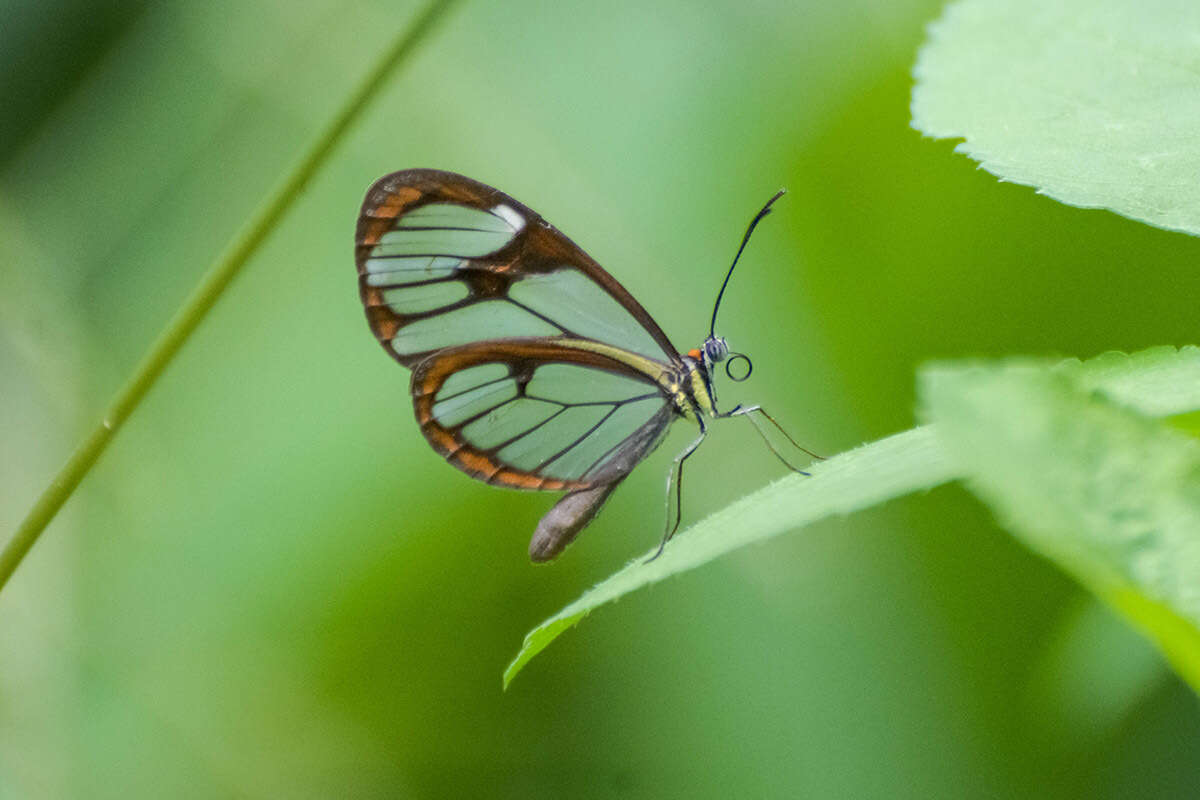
x: 539, y: 247
x: 429, y: 375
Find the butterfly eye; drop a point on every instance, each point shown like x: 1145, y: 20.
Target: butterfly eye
x: 716, y: 349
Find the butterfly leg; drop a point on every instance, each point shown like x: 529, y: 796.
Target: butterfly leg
x: 749, y: 411
x: 675, y: 476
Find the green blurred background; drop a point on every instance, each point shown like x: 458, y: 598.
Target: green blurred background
x: 271, y: 587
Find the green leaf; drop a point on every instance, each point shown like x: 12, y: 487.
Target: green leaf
x: 1092, y: 102
x: 847, y: 482
x: 1088, y: 479
x: 1158, y: 382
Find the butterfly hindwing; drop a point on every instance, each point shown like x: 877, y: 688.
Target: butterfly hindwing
x: 533, y: 414
x: 445, y: 261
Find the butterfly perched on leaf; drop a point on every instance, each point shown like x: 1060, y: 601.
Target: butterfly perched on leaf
x: 532, y: 367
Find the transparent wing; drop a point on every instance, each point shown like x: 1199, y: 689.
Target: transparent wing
x: 532, y: 415
x: 444, y: 261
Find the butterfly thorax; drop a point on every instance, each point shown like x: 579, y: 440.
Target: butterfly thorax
x: 693, y: 392
x: 701, y: 395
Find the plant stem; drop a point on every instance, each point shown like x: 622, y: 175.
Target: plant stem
x: 210, y: 288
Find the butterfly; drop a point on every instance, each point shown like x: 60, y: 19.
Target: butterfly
x: 532, y: 367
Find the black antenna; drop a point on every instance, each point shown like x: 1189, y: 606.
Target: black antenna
x: 712, y: 328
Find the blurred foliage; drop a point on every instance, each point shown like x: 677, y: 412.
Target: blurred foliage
x: 270, y: 586
x: 1089, y: 101
x: 1074, y: 461
x: 49, y: 50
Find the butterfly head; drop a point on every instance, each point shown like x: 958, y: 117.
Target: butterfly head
x: 716, y: 350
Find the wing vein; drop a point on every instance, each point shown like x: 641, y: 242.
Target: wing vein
x: 442, y: 228
x: 497, y: 448
x: 458, y: 256
x: 440, y: 399
x: 578, y: 440
x: 543, y: 317
x: 597, y: 402
x: 459, y: 426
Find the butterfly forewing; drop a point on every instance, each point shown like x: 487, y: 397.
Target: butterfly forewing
x: 444, y: 261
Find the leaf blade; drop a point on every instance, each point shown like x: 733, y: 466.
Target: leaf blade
x: 859, y: 478
x: 1091, y: 102
x: 1110, y: 494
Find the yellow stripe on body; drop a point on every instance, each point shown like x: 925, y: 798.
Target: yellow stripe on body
x: 666, y: 376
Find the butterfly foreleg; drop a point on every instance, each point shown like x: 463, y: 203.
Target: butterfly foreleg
x: 749, y: 411
x: 675, y: 478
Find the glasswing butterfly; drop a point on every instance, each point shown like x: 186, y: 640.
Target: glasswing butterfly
x: 532, y: 368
